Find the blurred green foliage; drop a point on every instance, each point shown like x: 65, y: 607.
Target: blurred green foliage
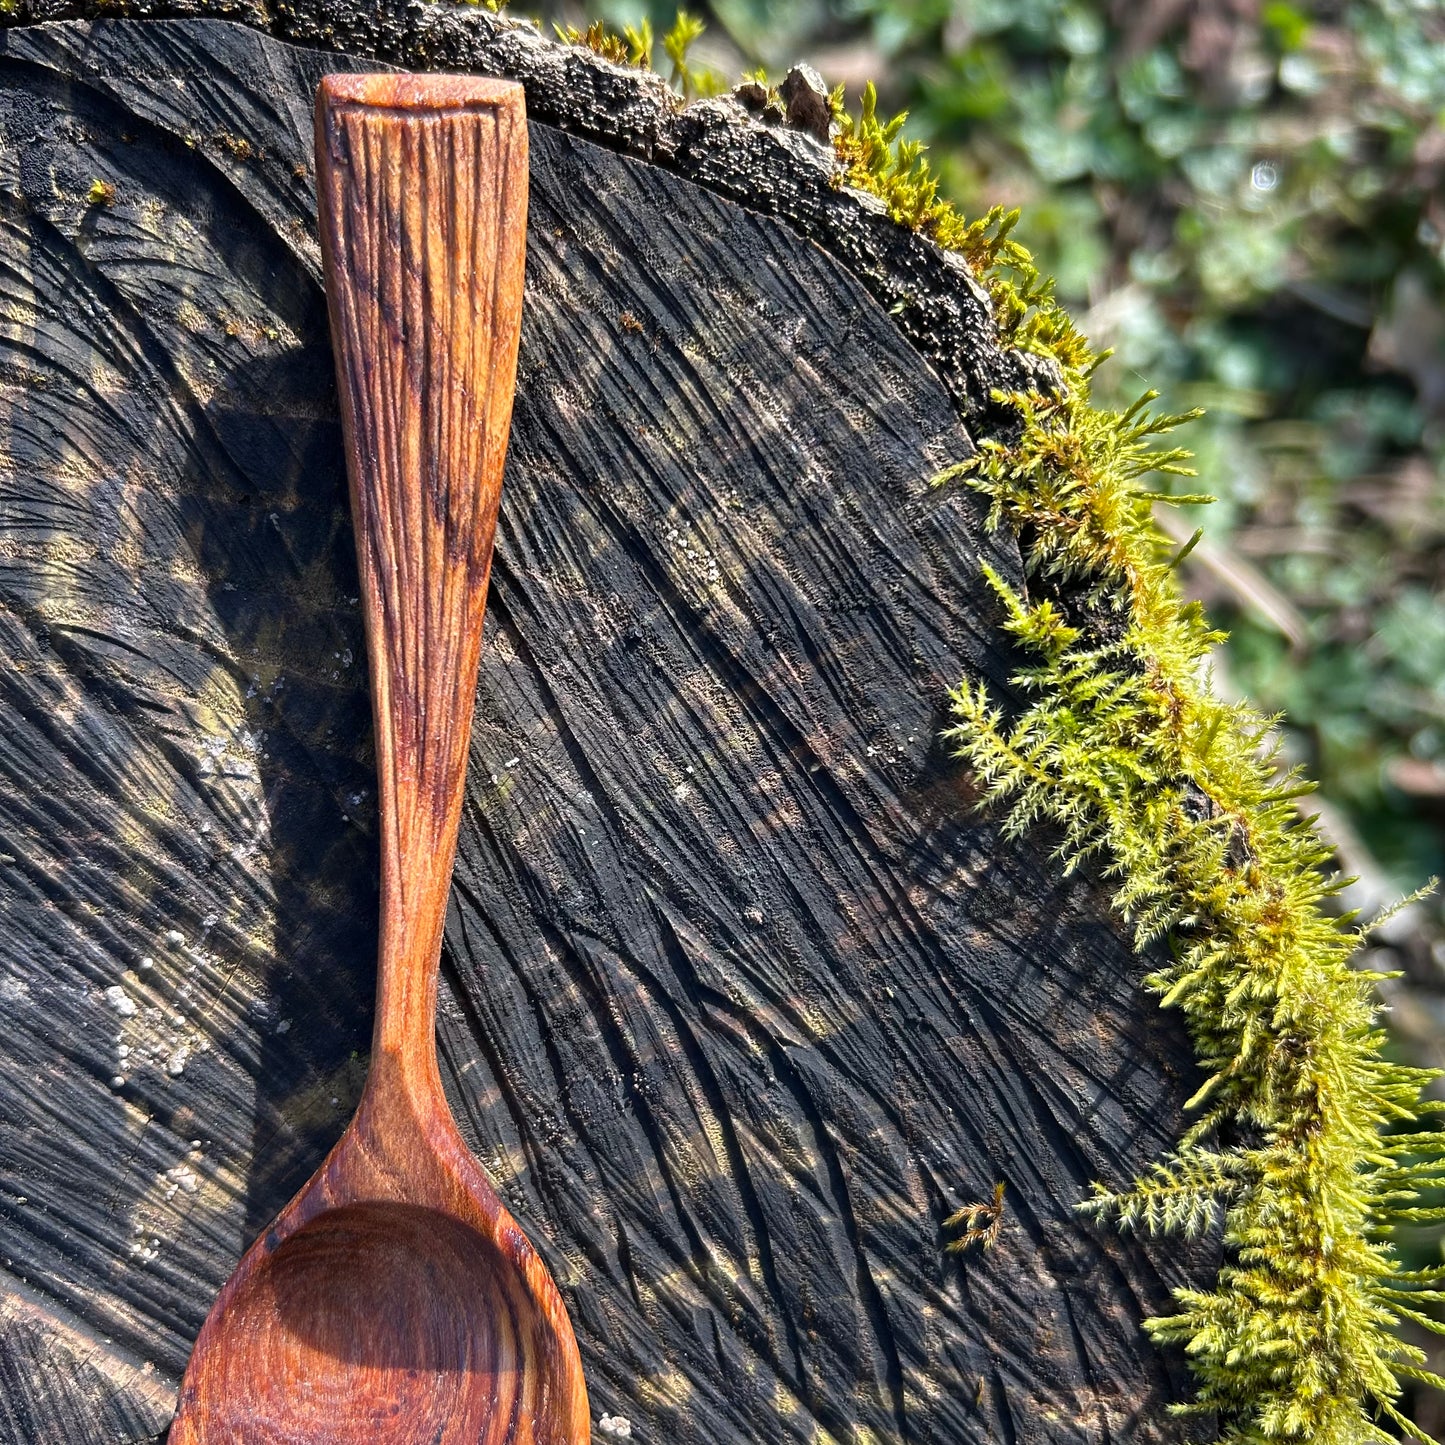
x: 1244, y: 199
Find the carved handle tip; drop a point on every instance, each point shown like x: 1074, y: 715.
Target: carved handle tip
x: 420, y: 92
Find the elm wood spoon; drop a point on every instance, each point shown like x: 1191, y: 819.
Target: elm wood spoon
x: 395, y: 1300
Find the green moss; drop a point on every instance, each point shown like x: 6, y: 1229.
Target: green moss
x: 1304, y: 1143
x: 634, y: 47
x: 980, y: 1223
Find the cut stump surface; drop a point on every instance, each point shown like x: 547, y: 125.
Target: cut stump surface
x: 740, y: 998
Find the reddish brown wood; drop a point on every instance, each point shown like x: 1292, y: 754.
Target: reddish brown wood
x: 395, y: 1299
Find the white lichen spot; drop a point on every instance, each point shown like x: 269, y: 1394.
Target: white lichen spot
x: 120, y: 1000
x: 176, y: 1064
x: 183, y: 1177
x: 615, y: 1427
x: 175, y: 937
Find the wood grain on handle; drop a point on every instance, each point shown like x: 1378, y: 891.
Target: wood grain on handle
x: 422, y: 183
x: 395, y: 1298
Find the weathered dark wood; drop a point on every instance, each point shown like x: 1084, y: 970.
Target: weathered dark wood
x: 772, y: 169
x: 395, y: 1296
x: 739, y: 999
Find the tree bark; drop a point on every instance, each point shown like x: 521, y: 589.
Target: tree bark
x: 741, y: 998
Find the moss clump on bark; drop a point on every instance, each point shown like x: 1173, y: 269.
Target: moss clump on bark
x: 1305, y: 1142
x: 634, y: 47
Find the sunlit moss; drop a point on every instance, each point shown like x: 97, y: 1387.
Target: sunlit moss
x: 634, y: 46
x: 1304, y: 1142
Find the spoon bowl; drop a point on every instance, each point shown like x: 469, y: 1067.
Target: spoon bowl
x: 395, y: 1299
x: 395, y: 1289
x: 384, y: 1318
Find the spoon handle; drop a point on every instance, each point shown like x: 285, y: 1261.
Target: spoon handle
x: 422, y: 184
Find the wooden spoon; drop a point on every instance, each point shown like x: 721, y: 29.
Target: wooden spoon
x: 395, y: 1300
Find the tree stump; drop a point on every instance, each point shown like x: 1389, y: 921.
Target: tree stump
x: 741, y: 999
